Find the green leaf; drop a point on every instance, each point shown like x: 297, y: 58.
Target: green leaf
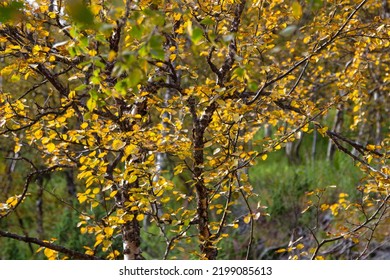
x: 121, y: 86
x: 134, y: 77
x: 158, y: 54
x: 156, y: 47
x: 92, y: 101
x: 91, y: 104
x: 80, y: 13
x: 207, y: 21
x: 315, y: 4
x: 10, y: 11
x: 156, y: 42
x: 136, y: 32
x: 197, y: 35
x: 80, y: 87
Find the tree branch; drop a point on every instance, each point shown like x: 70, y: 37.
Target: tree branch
x: 305, y: 59
x: 71, y: 253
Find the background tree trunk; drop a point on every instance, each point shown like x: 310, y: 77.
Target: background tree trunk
x: 337, y: 126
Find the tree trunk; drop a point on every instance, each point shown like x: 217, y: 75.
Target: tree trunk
x: 314, y: 145
x: 71, y: 186
x: 39, y: 204
x: 131, y: 234
x: 386, y: 9
x: 199, y: 126
x: 378, y: 118
x: 292, y: 149
x: 337, y: 125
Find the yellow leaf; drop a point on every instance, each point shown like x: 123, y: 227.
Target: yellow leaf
x: 44, y: 8
x: 50, y: 147
x: 118, y: 144
x: 97, y: 242
x: 72, y: 94
x: 26, y: 75
x: 282, y: 250
x: 323, y: 130
x: 132, y: 179
x: 369, y: 158
x: 38, y: 134
x: 100, y: 236
x: 96, y: 190
x: 129, y: 149
x: 15, y: 78
x: 335, y: 209
x: 89, y: 252
x: 370, y: 147
x: 296, y: 10
x: 140, y: 217
x: 50, y: 254
x: 92, y: 52
x: 108, y: 231
x: 84, y: 125
x: 247, y: 219
x: 342, y: 195
x: 128, y: 217
x: 111, y: 56
x: 113, y: 193
x: 36, y: 49
x: 165, y: 199
x: 324, y: 207
x: 95, y: 9
x: 20, y: 105
x: 95, y: 204
x: 12, y: 201
x: 17, y: 148
x: 300, y: 246
x: 355, y: 240
x: 82, y: 198
x: 15, y: 47
x: 264, y: 157
x: 177, y: 16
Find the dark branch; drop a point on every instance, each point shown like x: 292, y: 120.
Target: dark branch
x: 71, y: 253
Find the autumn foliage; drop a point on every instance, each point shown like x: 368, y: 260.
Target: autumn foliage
x: 153, y: 114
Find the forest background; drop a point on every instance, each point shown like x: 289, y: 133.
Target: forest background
x: 194, y: 129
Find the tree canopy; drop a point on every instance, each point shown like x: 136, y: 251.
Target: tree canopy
x: 147, y: 117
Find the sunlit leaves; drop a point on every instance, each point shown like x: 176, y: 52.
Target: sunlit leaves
x: 92, y: 101
x: 117, y: 144
x: 12, y: 201
x: 140, y: 217
x: 50, y: 254
x: 50, y: 147
x: 125, y: 92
